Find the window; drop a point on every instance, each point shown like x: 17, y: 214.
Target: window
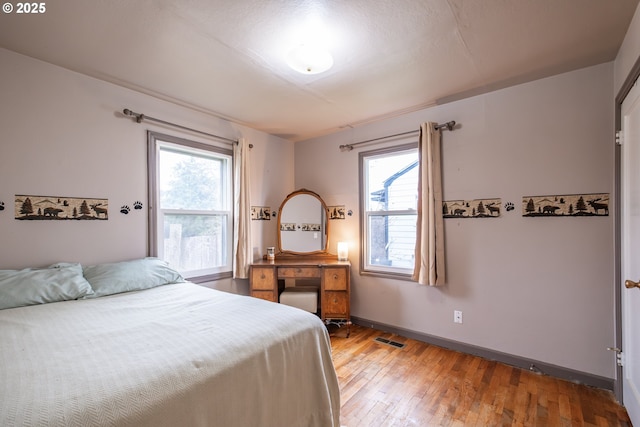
x: 190, y: 190
x: 389, y: 196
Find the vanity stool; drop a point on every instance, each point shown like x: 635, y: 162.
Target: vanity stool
x: 304, y: 299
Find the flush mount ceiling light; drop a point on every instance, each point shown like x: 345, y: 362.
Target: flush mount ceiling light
x: 309, y: 59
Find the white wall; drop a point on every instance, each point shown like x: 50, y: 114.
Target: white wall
x: 63, y: 134
x: 538, y: 288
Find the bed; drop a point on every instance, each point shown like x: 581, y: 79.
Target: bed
x: 175, y: 354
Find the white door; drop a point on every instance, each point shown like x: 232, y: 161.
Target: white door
x: 630, y: 296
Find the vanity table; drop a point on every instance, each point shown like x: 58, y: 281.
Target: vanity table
x: 303, y: 227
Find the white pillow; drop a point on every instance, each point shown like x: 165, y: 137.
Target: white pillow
x: 59, y: 282
x: 126, y: 276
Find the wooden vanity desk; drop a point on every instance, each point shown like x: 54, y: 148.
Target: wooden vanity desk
x: 266, y: 281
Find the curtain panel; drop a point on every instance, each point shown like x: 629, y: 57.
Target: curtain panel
x: 242, y: 255
x: 429, y: 268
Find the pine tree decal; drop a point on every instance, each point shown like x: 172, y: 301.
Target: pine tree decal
x: 531, y: 207
x: 26, y: 208
x: 481, y: 210
x: 580, y: 205
x: 84, y: 208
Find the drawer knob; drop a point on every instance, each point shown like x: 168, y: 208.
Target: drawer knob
x: 335, y: 277
x: 263, y: 276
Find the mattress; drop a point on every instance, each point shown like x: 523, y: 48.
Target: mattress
x: 174, y: 355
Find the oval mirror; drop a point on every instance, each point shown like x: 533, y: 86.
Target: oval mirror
x: 302, y: 224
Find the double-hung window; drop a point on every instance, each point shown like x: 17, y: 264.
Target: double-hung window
x: 389, y: 196
x: 191, y: 221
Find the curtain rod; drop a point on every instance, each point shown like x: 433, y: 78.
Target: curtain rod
x: 140, y: 117
x: 348, y: 147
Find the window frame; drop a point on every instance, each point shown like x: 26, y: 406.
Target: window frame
x: 155, y: 142
x: 365, y: 267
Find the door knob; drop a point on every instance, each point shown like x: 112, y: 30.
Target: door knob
x: 631, y: 284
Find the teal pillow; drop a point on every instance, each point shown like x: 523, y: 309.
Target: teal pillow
x: 59, y: 282
x: 126, y: 276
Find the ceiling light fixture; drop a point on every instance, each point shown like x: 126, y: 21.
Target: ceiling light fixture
x: 309, y: 59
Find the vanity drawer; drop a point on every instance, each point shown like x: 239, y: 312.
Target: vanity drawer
x: 335, y: 279
x: 298, y: 272
x: 263, y: 279
x: 335, y: 304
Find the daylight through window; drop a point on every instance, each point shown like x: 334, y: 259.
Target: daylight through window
x: 389, y: 197
x: 193, y: 223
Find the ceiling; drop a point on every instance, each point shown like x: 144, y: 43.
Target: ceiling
x: 227, y: 57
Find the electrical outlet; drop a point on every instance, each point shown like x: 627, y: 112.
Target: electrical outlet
x: 457, y: 316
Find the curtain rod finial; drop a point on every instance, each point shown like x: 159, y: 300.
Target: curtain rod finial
x: 139, y: 117
x: 449, y: 125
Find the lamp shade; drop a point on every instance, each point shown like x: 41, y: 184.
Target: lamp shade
x: 343, y: 251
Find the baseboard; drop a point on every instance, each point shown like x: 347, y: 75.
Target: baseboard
x: 509, y: 359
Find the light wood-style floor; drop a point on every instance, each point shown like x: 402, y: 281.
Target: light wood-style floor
x: 424, y: 385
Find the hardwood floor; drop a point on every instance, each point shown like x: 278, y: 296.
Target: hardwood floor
x: 425, y: 385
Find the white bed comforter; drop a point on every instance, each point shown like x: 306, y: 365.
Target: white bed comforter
x: 176, y: 355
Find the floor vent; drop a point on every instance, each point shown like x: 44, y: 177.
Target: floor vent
x: 395, y: 344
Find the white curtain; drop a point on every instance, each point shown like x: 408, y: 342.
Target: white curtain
x: 429, y: 252
x: 242, y: 251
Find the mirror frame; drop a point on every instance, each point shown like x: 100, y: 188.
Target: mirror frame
x: 320, y: 252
